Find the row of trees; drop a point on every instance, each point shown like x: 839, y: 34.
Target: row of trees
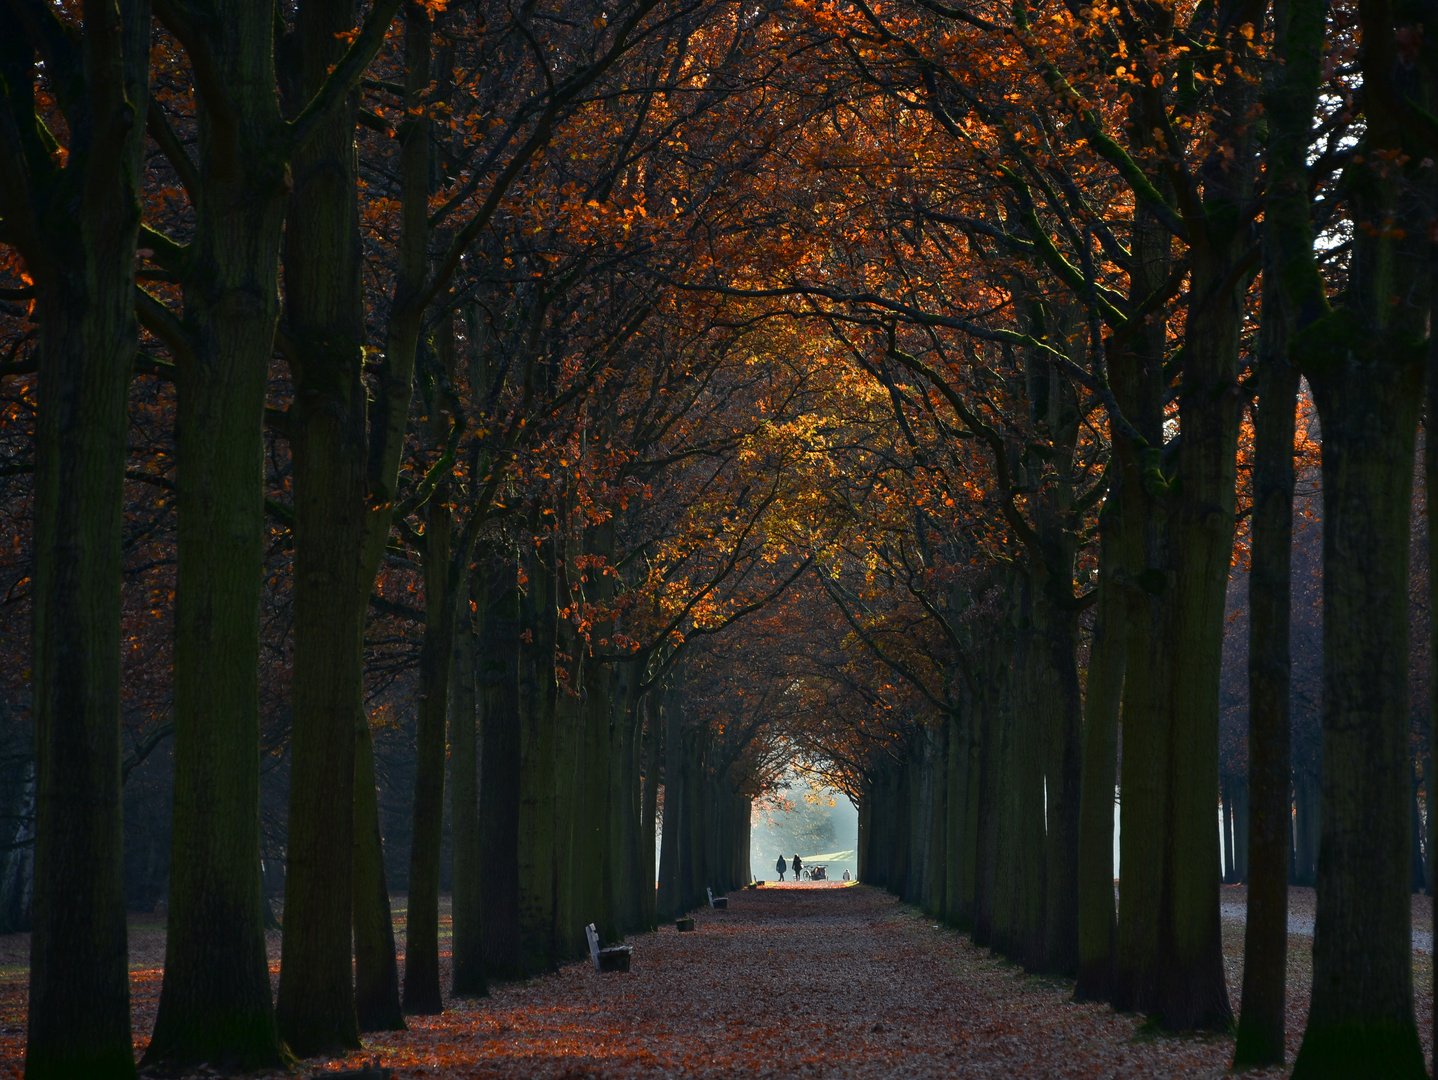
x: 378, y: 288
x: 505, y: 360
x: 1065, y: 212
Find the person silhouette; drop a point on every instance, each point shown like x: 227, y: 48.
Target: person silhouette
x: 797, y: 867
x: 781, y: 866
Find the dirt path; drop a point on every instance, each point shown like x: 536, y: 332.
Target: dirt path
x: 806, y: 981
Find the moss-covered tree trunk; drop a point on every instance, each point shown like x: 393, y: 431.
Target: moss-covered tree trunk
x: 76, y: 229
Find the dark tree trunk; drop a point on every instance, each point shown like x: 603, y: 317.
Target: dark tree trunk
x: 1261, y: 1028
x: 1365, y: 362
x: 499, y: 785
x: 324, y: 323
x: 537, y: 779
x: 422, y: 994
x: 1361, y: 1020
x: 215, y: 1005
x: 467, y: 942
x: 1416, y: 836
x: 376, y: 986
x: 653, y: 755
x: 670, y: 902
x: 76, y: 229
x: 1097, y: 918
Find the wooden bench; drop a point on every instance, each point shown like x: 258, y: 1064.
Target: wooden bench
x: 611, y: 959
x: 719, y: 902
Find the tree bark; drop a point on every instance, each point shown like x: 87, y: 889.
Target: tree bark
x: 1365, y: 362
x: 324, y: 323
x: 499, y: 788
x: 1261, y: 1026
x: 537, y: 692
x: 215, y: 1002
x: 1097, y: 919
x: 377, y: 1005
x: 467, y: 942
x: 422, y: 995
x: 76, y: 229
x: 653, y: 755
x: 670, y: 898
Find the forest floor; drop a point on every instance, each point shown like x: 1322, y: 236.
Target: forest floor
x: 813, y: 980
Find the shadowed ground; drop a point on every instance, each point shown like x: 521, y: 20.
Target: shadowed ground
x: 808, y: 980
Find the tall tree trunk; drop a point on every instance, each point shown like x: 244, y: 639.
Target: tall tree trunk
x: 377, y: 1006
x: 537, y: 693
x: 1261, y: 1025
x: 649, y: 806
x: 670, y: 900
x: 1139, y: 388
x: 1365, y: 362
x: 1416, y: 834
x: 499, y: 787
x: 1430, y: 493
x: 77, y: 230
x: 467, y: 940
x: 1361, y: 1019
x: 936, y: 878
x: 324, y: 323
x: 215, y: 1003
x: 1097, y: 920
x: 422, y: 995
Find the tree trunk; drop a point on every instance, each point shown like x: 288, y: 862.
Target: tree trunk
x: 670, y: 899
x: 1097, y: 920
x: 215, y: 1003
x: 324, y: 320
x: 377, y: 1006
x: 422, y: 994
x: 653, y: 755
x: 1361, y: 1020
x: 467, y: 942
x: 1430, y: 495
x: 1365, y: 363
x: 1416, y: 837
x: 77, y: 232
x: 1139, y: 388
x: 499, y: 787
x: 1241, y: 827
x: 537, y: 692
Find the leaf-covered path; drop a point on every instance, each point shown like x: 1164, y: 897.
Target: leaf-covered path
x: 795, y: 982
x: 806, y: 981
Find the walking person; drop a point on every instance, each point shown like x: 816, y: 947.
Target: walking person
x: 797, y: 867
x: 781, y: 866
